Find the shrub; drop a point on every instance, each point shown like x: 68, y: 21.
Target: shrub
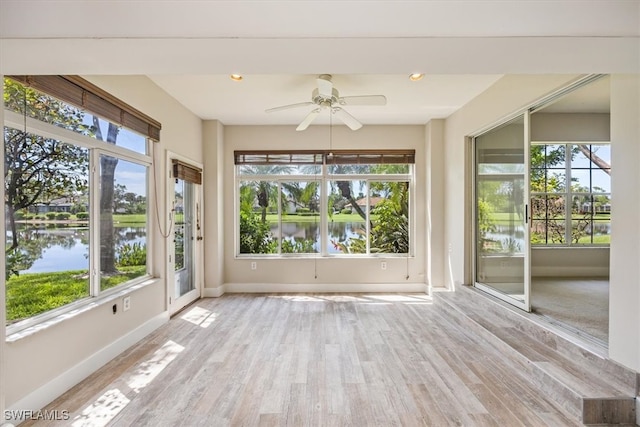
x: 82, y: 215
x: 131, y: 254
x: 63, y: 216
x: 255, y: 235
x: 50, y: 215
x: 346, y: 211
x: 298, y: 246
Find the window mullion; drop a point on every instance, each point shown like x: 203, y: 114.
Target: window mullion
x: 367, y: 217
x: 94, y: 223
x: 568, y: 197
x: 324, y: 212
x: 279, y: 185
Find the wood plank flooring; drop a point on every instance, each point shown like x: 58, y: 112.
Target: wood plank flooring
x: 311, y: 359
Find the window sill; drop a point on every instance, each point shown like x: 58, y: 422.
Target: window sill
x: 578, y: 247
x: 77, y: 309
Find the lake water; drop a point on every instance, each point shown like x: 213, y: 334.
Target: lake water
x: 66, y: 248
x: 338, y: 232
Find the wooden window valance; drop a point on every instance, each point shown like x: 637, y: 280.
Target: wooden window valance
x: 372, y: 157
x: 187, y: 172
x: 313, y: 157
x: 85, y: 95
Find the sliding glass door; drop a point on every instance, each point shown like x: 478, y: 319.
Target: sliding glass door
x: 502, y: 250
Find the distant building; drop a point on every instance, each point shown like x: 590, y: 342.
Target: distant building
x: 362, y: 202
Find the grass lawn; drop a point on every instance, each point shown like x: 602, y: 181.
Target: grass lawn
x: 130, y: 219
x: 34, y: 293
x: 354, y: 217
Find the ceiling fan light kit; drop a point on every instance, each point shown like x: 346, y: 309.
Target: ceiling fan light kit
x: 326, y: 97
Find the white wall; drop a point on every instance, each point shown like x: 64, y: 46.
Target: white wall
x: 77, y: 346
x: 624, y: 295
x: 333, y: 274
x: 435, y: 196
x: 568, y: 127
x: 213, y: 223
x: 570, y: 262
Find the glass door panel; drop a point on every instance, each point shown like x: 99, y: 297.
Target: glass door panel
x: 185, y: 260
x: 184, y: 238
x: 502, y: 235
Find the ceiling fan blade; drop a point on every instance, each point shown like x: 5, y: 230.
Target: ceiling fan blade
x: 325, y: 86
x: 363, y: 100
x: 347, y: 118
x: 286, y: 107
x: 307, y: 120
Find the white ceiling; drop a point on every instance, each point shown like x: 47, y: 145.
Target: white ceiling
x: 245, y: 102
x: 189, y: 48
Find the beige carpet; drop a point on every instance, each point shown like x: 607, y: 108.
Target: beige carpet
x: 579, y: 303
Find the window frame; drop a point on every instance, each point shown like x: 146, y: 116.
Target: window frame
x: 323, y: 178
x: 568, y: 196
x: 96, y: 148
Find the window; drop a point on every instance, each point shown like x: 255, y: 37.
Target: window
x: 570, y: 194
x: 75, y: 203
x: 324, y: 203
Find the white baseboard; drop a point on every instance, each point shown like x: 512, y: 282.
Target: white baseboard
x: 323, y: 287
x: 44, y: 395
x: 570, y: 271
x: 213, y: 292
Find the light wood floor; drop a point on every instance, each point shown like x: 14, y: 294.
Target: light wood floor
x: 323, y: 360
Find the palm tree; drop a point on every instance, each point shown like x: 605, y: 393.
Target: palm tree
x: 266, y: 191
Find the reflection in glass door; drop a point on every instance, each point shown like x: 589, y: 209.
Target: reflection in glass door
x: 501, y: 214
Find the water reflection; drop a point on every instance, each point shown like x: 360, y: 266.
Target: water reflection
x: 45, y: 249
x: 338, y: 232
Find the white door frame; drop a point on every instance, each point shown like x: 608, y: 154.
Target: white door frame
x: 176, y: 303
x: 526, y: 303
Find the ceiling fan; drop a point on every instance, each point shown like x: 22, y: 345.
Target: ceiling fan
x: 325, y: 96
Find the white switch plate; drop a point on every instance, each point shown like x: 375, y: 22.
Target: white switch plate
x: 126, y: 303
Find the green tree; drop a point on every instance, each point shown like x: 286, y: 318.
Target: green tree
x: 255, y: 234
x: 266, y: 192
x: 39, y: 169
x: 390, y: 231
x: 107, y: 189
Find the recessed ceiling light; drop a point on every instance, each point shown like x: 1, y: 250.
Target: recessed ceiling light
x: 235, y: 77
x: 416, y: 76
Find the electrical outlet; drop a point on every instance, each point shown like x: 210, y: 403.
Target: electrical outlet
x: 254, y: 265
x: 383, y: 265
x: 126, y: 303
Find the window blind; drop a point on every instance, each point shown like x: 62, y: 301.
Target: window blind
x: 312, y: 157
x: 79, y: 92
x: 187, y: 172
